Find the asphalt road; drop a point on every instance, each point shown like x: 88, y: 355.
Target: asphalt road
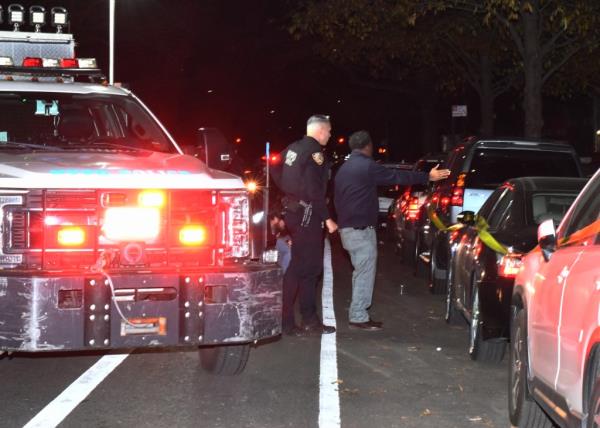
x: 414, y: 373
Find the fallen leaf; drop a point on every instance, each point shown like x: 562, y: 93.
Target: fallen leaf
x: 426, y: 412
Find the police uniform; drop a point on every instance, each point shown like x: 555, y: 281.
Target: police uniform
x: 302, y: 176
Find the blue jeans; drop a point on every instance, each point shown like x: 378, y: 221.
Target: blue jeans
x: 284, y: 252
x: 362, y: 247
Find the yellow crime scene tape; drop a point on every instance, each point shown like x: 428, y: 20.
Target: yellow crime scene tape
x: 481, y: 226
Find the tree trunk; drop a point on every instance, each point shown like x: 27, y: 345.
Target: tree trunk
x: 486, y: 97
x: 532, y: 101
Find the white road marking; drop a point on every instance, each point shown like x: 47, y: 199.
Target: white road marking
x: 59, y: 408
x: 329, y: 398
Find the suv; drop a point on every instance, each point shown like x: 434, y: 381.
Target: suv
x: 111, y: 237
x: 405, y: 214
x: 555, y: 327
x: 477, y: 168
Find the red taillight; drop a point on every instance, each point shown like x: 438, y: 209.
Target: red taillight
x: 69, y: 63
x: 477, y: 248
x: 509, y: 265
x: 457, y: 196
x: 458, y: 191
x: 33, y: 62
x: 413, y: 209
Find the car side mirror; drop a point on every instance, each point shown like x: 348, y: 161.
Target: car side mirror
x: 213, y: 148
x: 466, y: 217
x: 547, y: 238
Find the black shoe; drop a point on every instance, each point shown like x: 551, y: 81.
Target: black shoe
x: 367, y: 325
x: 314, y: 329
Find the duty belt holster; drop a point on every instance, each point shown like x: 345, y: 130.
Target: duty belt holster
x: 294, y: 205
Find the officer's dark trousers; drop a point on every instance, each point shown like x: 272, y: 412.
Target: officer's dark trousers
x: 303, y: 273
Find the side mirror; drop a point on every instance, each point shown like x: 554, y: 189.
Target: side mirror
x: 547, y: 238
x: 213, y: 148
x: 466, y: 218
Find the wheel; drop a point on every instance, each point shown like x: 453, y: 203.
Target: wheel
x: 523, y: 411
x: 437, y: 277
x: 489, y: 351
x: 593, y: 417
x: 227, y: 360
x: 453, y: 315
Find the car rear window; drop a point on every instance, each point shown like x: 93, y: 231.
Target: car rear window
x: 546, y: 206
x: 491, y: 167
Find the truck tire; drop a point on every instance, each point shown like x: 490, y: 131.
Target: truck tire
x: 225, y: 360
x: 523, y: 411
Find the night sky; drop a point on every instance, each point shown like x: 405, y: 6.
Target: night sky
x: 232, y: 64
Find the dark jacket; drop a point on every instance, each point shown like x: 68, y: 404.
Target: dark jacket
x: 355, y: 189
x: 303, y: 174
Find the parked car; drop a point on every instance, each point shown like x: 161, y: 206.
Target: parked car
x: 405, y: 214
x: 480, y: 279
x: 477, y: 168
x: 387, y: 194
x: 555, y: 323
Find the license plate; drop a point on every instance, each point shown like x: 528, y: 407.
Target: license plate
x: 136, y: 326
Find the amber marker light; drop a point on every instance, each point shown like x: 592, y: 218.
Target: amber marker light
x: 151, y: 199
x: 71, y: 236
x: 192, y: 235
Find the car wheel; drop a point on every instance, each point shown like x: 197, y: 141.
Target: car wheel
x: 489, y: 351
x: 523, y: 411
x: 452, y: 316
x: 226, y: 360
x: 437, y: 276
x: 593, y: 417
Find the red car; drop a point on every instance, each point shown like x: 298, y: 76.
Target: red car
x: 555, y: 322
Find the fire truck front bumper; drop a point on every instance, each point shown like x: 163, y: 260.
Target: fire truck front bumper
x: 234, y: 304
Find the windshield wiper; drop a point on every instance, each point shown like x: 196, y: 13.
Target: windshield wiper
x: 89, y: 144
x: 16, y: 144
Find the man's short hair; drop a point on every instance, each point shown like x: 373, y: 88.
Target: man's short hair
x: 359, y: 140
x: 318, y: 118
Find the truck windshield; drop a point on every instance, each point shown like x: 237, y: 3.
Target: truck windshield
x: 77, y: 121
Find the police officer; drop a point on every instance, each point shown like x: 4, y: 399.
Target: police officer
x: 303, y: 176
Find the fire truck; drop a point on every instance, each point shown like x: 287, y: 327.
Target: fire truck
x: 111, y: 237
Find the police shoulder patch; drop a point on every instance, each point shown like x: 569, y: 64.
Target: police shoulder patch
x: 290, y: 157
x: 318, y: 158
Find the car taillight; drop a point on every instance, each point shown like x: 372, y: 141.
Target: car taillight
x: 509, y: 265
x: 33, y: 62
x: 235, y: 218
x: 458, y: 191
x: 413, y: 209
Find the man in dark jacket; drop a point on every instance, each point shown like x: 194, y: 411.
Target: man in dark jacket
x: 303, y: 176
x: 356, y: 203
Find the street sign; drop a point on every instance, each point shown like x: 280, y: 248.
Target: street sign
x: 459, y: 111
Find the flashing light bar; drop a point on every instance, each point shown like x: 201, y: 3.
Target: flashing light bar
x: 35, y: 62
x: 37, y: 17
x: 58, y: 18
